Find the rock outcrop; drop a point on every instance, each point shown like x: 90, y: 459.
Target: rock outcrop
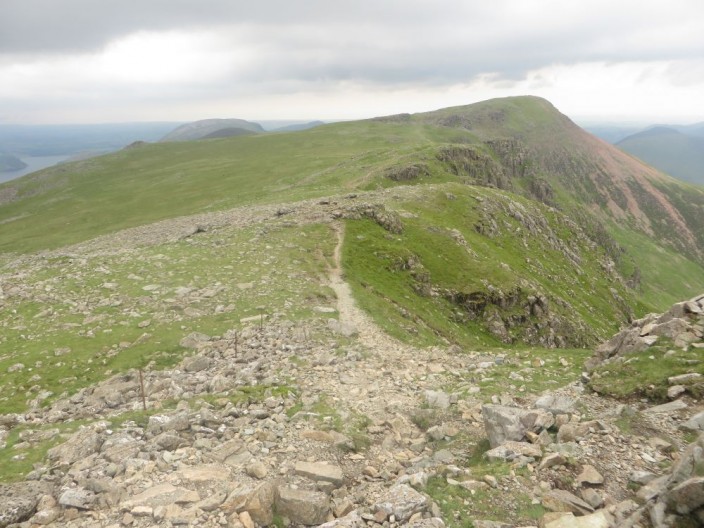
x: 683, y: 325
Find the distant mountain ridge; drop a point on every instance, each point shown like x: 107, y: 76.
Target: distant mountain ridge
x: 298, y: 127
x: 669, y: 149
x: 207, y: 127
x: 221, y: 128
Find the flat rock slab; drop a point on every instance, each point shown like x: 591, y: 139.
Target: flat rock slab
x: 672, y: 406
x: 318, y: 471
x: 510, y: 450
x: 558, y: 500
x: 203, y: 474
x: 162, y: 495
x: 684, y: 378
x: 600, y: 519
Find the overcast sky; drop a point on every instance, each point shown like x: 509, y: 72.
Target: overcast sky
x: 92, y: 61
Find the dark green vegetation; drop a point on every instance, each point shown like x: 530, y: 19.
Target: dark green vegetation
x: 506, y: 224
x: 644, y: 374
x: 677, y: 153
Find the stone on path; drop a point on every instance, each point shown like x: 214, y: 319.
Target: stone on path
x: 558, y: 500
x: 694, y: 424
x: 590, y: 475
x: 80, y: 498
x: 510, y: 450
x: 162, y: 495
x: 317, y: 471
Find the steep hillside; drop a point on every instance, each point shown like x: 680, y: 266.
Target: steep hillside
x: 208, y: 127
x: 670, y: 151
x: 551, y: 159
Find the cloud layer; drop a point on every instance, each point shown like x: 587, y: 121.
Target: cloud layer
x: 82, y: 60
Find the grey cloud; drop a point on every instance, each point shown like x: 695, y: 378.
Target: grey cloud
x: 72, y: 25
x: 301, y: 45
x: 393, y: 41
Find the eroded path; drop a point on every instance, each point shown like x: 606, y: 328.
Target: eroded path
x: 387, y: 381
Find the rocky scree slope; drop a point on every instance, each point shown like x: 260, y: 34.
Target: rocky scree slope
x: 331, y: 421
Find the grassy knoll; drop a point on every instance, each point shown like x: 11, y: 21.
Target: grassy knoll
x: 94, y: 316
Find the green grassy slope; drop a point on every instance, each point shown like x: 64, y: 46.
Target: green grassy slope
x: 521, y: 145
x: 670, y: 151
x: 480, y: 267
x: 138, y: 186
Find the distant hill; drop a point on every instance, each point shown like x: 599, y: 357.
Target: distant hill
x: 9, y: 163
x: 207, y: 127
x: 696, y: 129
x: 297, y: 127
x: 228, y: 132
x: 679, y: 154
x: 612, y: 133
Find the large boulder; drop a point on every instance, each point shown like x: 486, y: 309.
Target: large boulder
x: 302, y: 506
x: 511, y: 423
x: 680, y: 324
x: 402, y: 501
x: 687, y: 496
x: 80, y: 446
x: 17, y: 508
x: 556, y: 403
x: 19, y: 501
x: 318, y: 471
